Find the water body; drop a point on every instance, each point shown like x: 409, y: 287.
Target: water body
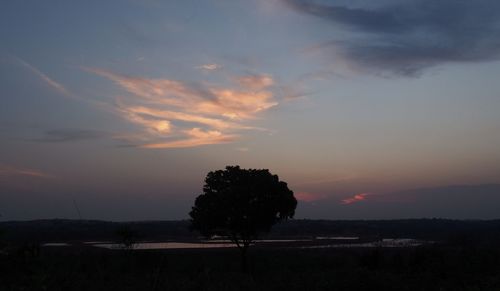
x: 206, y: 244
x: 56, y: 244
x: 338, y: 237
x: 209, y: 244
x: 168, y: 245
x: 385, y: 243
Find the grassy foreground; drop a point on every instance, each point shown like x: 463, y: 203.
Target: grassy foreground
x: 86, y: 268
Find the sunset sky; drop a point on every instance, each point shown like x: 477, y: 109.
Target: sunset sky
x: 367, y: 109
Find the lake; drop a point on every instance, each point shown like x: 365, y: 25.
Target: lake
x: 317, y: 243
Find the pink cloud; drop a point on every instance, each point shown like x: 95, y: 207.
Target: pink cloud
x: 356, y: 198
x: 309, y: 197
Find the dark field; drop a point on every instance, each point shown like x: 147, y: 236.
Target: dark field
x: 465, y: 260
x: 423, y: 268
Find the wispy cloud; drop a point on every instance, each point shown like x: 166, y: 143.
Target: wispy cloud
x: 255, y: 82
x: 210, y: 67
x: 406, y: 37
x: 356, y: 198
x: 195, y: 137
x: 295, y: 91
x: 309, y: 197
x: 181, y: 114
x: 70, y: 135
x: 60, y: 88
x: 9, y: 171
x: 45, y: 78
x: 325, y: 181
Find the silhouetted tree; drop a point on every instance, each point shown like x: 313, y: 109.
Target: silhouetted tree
x: 241, y: 203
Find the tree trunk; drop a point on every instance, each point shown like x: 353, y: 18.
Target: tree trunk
x: 244, y: 261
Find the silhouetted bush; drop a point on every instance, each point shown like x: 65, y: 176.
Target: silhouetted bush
x: 127, y: 237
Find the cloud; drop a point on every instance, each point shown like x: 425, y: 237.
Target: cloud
x: 198, y: 98
x: 9, y: 171
x: 295, y: 91
x: 59, y: 87
x: 453, y: 202
x: 256, y: 82
x: 309, y: 197
x: 44, y: 77
x: 70, y: 135
x: 196, y: 137
x: 210, y: 67
x: 343, y: 177
x: 175, y: 115
x: 407, y: 36
x: 356, y: 198
x: 182, y: 114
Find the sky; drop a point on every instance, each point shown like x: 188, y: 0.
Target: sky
x: 117, y: 110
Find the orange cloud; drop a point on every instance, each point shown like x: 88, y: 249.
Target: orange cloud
x: 197, y: 137
x: 356, y: 198
x: 164, y: 115
x: 202, y: 99
x: 184, y: 115
x: 256, y: 82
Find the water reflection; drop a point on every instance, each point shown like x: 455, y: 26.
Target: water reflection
x: 338, y: 237
x: 205, y: 244
x: 316, y: 243
x: 385, y: 243
x: 168, y: 245
x: 55, y: 244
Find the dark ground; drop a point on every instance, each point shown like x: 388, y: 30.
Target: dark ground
x: 421, y: 268
x: 466, y: 256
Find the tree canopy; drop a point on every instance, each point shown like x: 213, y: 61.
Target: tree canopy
x: 241, y: 203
